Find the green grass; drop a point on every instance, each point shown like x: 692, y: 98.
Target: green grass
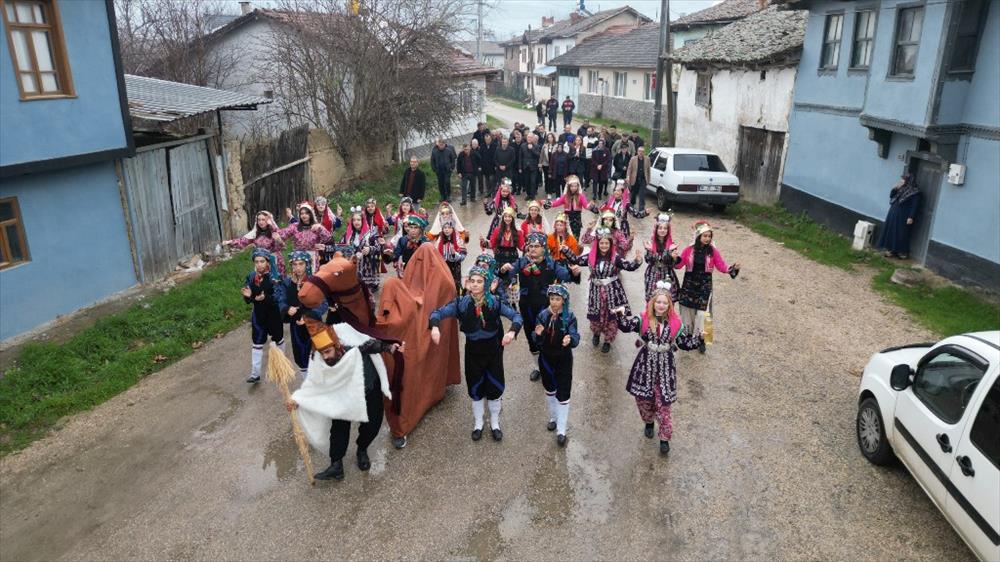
x: 49, y: 381
x: 944, y: 310
x: 493, y: 123
x: 510, y: 103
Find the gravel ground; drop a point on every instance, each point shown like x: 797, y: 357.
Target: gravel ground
x: 194, y: 464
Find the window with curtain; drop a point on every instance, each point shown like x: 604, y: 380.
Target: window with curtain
x: 592, y: 81
x: 620, y: 83
x: 864, y: 33
x: 649, y: 86
x: 37, y: 48
x: 909, y: 24
x: 830, y: 56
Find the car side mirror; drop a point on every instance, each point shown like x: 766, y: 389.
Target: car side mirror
x: 899, y: 379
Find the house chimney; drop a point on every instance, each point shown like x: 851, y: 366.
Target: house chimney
x: 245, y: 8
x: 575, y: 17
x: 548, y: 21
x: 761, y: 4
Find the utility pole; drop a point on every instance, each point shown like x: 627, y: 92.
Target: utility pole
x: 479, y: 32
x: 664, y: 73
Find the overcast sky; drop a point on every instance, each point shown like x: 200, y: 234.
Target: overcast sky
x: 514, y: 16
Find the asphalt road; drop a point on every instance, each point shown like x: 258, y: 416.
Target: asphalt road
x: 192, y: 463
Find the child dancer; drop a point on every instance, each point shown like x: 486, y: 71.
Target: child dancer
x: 478, y: 313
x: 606, y: 290
x: 446, y: 213
x: 374, y: 219
x: 556, y: 335
x: 653, y: 378
x: 326, y: 217
x: 502, y: 200
x: 699, y: 260
x: 265, y: 320
x: 618, y: 203
x: 398, y: 220
x: 403, y: 251
x: 292, y: 311
x: 535, y: 221
x: 506, y: 242
x: 609, y: 221
x: 309, y: 235
x: 661, y: 255
x: 363, y: 244
x: 263, y: 235
x: 574, y: 202
x: 449, y: 244
x: 561, y: 241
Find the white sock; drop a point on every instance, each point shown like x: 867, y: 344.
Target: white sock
x: 304, y: 373
x: 562, y: 417
x: 478, y: 409
x: 256, y: 359
x: 494, y: 412
x: 553, y: 405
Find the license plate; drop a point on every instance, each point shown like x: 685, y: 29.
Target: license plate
x: 713, y: 188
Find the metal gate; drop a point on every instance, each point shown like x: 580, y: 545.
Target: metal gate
x: 927, y: 175
x: 759, y: 164
x: 171, y: 197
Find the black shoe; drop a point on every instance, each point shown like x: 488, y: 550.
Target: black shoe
x: 535, y: 375
x: 648, y: 431
x: 253, y: 379
x: 364, y: 463
x: 335, y: 472
x: 399, y: 442
x: 606, y: 347
x: 701, y: 348
x: 477, y: 434
x: 551, y: 426
x: 561, y: 440
x: 462, y: 203
x: 664, y: 447
x: 596, y: 340
x: 497, y: 435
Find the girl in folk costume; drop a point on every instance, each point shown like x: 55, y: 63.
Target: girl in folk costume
x: 573, y: 202
x: 478, y: 313
x: 398, y: 220
x: 535, y: 221
x: 506, y: 243
x: 653, y: 378
x: 449, y: 244
x: 326, y: 217
x: 264, y: 235
x: 661, y: 256
x: 606, y: 289
x: 363, y: 244
x: 562, y: 241
x: 404, y: 248
x: 618, y: 203
x: 502, y: 200
x: 309, y: 235
x: 610, y: 222
x: 556, y: 335
x: 265, y: 320
x: 374, y: 219
x: 699, y: 261
x: 292, y: 311
x: 446, y: 213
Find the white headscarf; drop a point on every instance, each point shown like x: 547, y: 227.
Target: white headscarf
x: 252, y: 235
x: 436, y: 227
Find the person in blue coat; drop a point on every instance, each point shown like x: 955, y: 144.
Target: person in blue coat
x: 904, y: 203
x: 479, y: 315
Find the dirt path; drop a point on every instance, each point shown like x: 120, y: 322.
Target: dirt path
x: 194, y: 464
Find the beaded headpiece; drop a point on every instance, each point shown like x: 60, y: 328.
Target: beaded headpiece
x: 300, y: 255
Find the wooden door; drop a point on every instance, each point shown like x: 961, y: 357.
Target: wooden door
x: 928, y: 177
x: 196, y: 222
x: 758, y: 165
x: 146, y: 182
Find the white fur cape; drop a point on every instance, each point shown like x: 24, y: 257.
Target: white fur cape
x: 337, y: 392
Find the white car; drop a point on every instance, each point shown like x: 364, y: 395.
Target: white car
x: 690, y: 175
x: 936, y: 407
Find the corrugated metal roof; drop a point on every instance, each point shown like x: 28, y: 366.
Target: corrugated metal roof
x: 162, y: 100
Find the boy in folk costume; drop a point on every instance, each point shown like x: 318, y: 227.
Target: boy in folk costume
x: 308, y: 235
x: 535, y: 220
x: 653, y: 378
x: 265, y: 320
x: 699, y: 261
x: 449, y: 245
x: 292, y: 311
x: 556, y: 335
x: 609, y: 221
x: 661, y: 255
x: 362, y: 243
x: 574, y: 202
x: 606, y: 289
x: 263, y: 235
x: 415, y: 227
x: 561, y: 241
x: 478, y: 313
x: 536, y: 271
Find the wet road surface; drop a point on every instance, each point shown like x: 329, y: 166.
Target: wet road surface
x: 192, y: 463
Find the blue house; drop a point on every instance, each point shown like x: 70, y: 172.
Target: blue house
x: 65, y: 120
x: 894, y: 86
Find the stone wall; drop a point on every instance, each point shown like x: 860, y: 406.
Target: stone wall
x: 618, y: 109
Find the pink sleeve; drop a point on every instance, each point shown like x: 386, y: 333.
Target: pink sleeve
x: 284, y: 232
x: 718, y: 262
x: 558, y: 201
x: 241, y: 243
x: 583, y: 200
x: 685, y: 258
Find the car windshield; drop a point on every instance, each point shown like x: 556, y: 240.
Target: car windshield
x: 698, y: 163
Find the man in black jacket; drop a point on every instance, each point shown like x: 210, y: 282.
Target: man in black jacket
x: 413, y: 184
x: 443, y: 163
x: 481, y: 132
x: 518, y: 178
x: 468, y: 171
x: 551, y: 107
x: 505, y: 160
x: 487, y: 162
x: 530, y: 154
x: 568, y: 106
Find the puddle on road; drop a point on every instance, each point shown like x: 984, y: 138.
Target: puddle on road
x: 216, y: 424
x: 279, y: 462
x: 591, y: 487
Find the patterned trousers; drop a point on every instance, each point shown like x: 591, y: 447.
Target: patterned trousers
x: 657, y: 410
x: 608, y: 329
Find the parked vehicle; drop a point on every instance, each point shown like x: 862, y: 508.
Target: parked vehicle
x: 690, y: 175
x: 936, y: 407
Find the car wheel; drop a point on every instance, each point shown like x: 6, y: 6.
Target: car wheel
x: 661, y: 199
x: 871, y: 433
x: 719, y: 207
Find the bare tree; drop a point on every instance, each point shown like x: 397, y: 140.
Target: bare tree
x: 169, y: 39
x: 371, y: 77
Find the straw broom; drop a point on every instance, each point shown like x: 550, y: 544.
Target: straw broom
x: 280, y: 372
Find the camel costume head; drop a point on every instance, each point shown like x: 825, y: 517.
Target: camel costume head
x: 336, y: 282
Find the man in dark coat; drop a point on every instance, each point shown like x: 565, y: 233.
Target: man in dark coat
x: 551, y: 107
x: 443, y: 163
x: 468, y: 171
x: 506, y: 161
x: 568, y: 106
x: 481, y: 132
x: 540, y: 111
x: 413, y: 184
x: 636, y: 139
x: 487, y: 161
x: 518, y: 178
x: 530, y: 154
x: 620, y: 161
x: 636, y: 178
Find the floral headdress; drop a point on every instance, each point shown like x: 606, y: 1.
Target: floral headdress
x: 300, y: 255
